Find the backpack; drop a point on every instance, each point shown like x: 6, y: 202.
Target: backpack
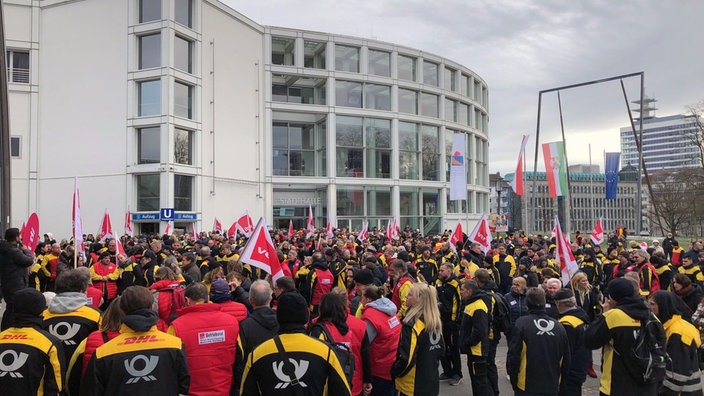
x: 178, y: 301
x: 342, y: 351
x: 501, y: 314
x: 647, y: 358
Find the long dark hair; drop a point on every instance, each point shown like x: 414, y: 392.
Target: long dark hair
x: 333, y: 309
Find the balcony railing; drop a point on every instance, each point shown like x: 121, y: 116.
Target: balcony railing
x: 15, y: 75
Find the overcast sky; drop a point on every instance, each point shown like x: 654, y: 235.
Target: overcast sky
x: 521, y: 47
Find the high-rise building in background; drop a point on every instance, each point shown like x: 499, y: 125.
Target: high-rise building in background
x: 189, y: 105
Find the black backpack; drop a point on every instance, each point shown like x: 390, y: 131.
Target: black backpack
x: 647, y: 360
x: 342, y: 351
x: 501, y: 314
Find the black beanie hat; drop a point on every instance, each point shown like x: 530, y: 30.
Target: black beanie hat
x: 619, y: 288
x: 563, y: 294
x: 29, y: 301
x: 291, y: 308
x: 364, y: 276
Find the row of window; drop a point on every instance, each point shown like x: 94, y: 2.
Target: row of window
x: 347, y: 59
x: 151, y: 10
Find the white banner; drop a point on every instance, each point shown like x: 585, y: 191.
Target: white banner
x: 458, y: 168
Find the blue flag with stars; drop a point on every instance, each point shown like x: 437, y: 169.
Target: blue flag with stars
x: 611, y: 172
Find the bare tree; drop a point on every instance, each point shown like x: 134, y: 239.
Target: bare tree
x: 696, y: 136
x: 679, y: 195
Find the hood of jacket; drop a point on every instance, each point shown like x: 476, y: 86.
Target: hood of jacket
x: 384, y: 305
x: 634, y: 307
x: 67, y: 302
x: 266, y: 317
x: 578, y: 313
x: 140, y: 320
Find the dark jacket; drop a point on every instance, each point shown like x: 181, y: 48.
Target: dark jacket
x: 537, y: 369
x: 260, y: 325
x: 517, y: 305
x: 119, y: 368
x: 613, y: 330
x: 474, y: 328
x: 415, y: 370
x: 575, y: 322
x: 449, y: 300
x: 13, y: 269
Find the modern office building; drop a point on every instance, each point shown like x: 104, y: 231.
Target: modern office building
x: 587, y: 193
x: 189, y: 105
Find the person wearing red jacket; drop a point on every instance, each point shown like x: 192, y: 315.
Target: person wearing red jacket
x: 220, y: 295
x: 166, y: 282
x: 210, y: 337
x: 384, y: 331
x: 104, y: 274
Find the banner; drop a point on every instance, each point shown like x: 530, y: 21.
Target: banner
x: 482, y: 234
x: 611, y: 162
x: 458, y: 169
x: 556, y: 168
x: 517, y: 182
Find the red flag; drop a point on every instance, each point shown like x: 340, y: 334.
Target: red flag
x: 105, y: 227
x: 563, y: 255
x: 244, y: 225
x: 456, y: 236
x: 644, y: 246
x: 169, y: 228
x: 128, y: 223
x: 482, y: 234
x: 310, y: 226
x: 30, y: 232
x: 319, y: 245
x: 217, y: 226
x: 597, y: 235
x: 260, y: 251
x: 290, y: 230
x: 364, y: 234
x: 328, y: 230
x: 395, y: 229
x: 77, y: 222
x: 517, y: 182
x: 119, y: 248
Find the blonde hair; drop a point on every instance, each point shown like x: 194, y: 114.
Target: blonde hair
x: 426, y: 308
x: 575, y: 280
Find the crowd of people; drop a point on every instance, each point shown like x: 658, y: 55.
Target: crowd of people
x: 182, y: 314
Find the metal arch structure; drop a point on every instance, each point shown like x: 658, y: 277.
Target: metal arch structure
x: 637, y: 135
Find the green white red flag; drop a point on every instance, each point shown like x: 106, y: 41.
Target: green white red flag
x: 556, y: 168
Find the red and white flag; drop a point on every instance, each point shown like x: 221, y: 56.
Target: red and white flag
x: 260, y: 252
x: 388, y: 230
x: 395, y: 229
x: 456, y: 236
x: 328, y: 230
x: 217, y: 225
x: 169, y: 228
x: 290, y: 230
x: 482, y: 234
x: 597, y: 235
x: 195, y: 230
x: 319, y: 244
x: 364, y: 234
x: 119, y: 249
x: 563, y: 255
x: 553, y: 233
x: 30, y: 232
x: 244, y: 225
x: 517, y: 182
x: 310, y: 226
x: 128, y: 223
x: 643, y: 246
x: 77, y: 222
x: 105, y: 227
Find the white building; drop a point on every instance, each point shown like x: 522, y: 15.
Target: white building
x: 187, y: 104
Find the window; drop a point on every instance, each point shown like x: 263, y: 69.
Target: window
x: 148, y: 187
x: 149, y: 10
x: 15, y: 147
x: 183, y: 146
x: 450, y: 110
x: 314, y: 54
x: 429, y: 104
x: 149, y: 98
x: 377, y: 97
x: 183, y: 54
x: 430, y: 149
x: 295, y: 89
x: 183, y: 100
x: 17, y: 66
x: 363, y: 147
x: 464, y: 85
x: 282, y: 51
x: 149, y: 51
x: 406, y: 68
x: 295, y: 149
x: 379, y: 63
x: 407, y: 101
x: 183, y: 193
x: 350, y: 200
x: 183, y: 12
x: 346, y: 58
x: 463, y: 114
x: 149, y: 145
x: 408, y: 150
x: 450, y: 83
x: 430, y: 73
x: 348, y: 93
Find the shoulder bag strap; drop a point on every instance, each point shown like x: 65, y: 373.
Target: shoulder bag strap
x: 288, y: 367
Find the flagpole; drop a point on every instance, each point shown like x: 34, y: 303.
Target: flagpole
x: 591, y: 183
x: 523, y: 178
x: 568, y: 203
